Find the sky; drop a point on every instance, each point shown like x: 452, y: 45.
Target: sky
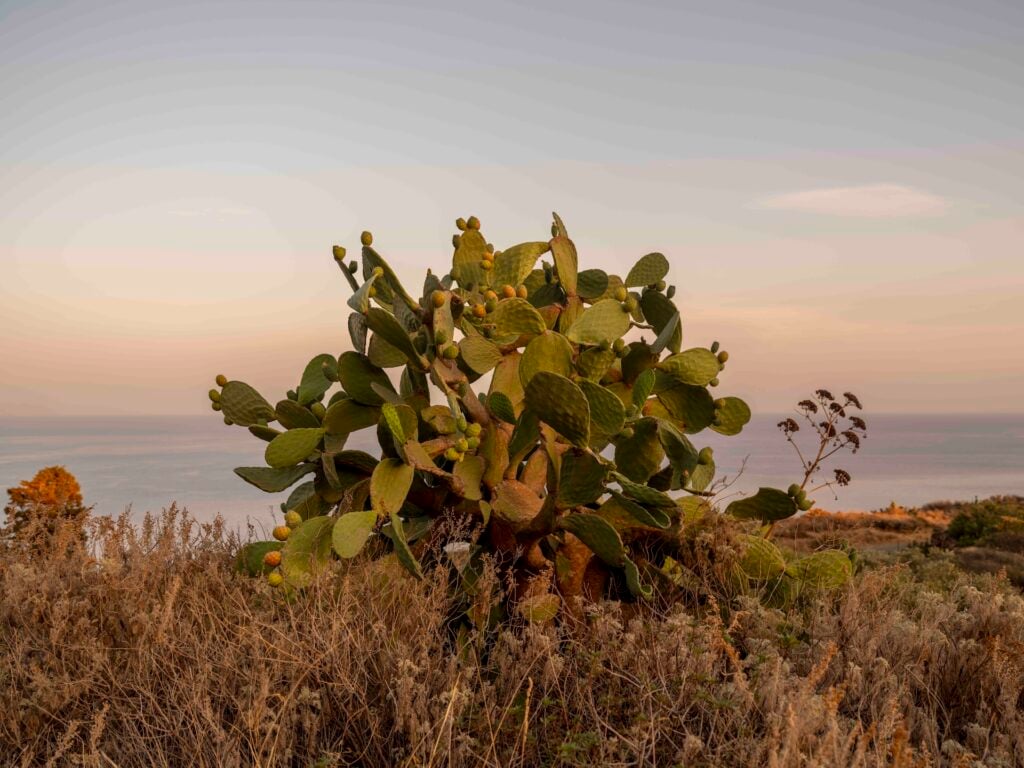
x: 839, y: 187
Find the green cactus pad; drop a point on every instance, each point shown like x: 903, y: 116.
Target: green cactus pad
x: 661, y: 313
x: 291, y: 447
x: 505, y: 379
x: 469, y: 253
x: 360, y: 300
x: 293, y: 416
x: 559, y: 402
x: 314, y: 383
x: 516, y: 317
x: 696, y: 366
x: 307, y: 550
x: 604, y: 321
x: 639, y: 456
x: 387, y: 326
x: 389, y: 485
x: 593, y: 362
x: 642, y: 387
x: 304, y: 500
x: 479, y: 354
x: 357, y: 375
x: 647, y: 271
x: 515, y: 504
x: 243, y: 405
x: 638, y: 589
x: 470, y: 471
x: 273, y: 480
x: 547, y: 352
x: 357, y: 332
x: 263, y: 433
x: 347, y: 416
x: 566, y: 263
x: 767, y: 505
x: 731, y: 415
x: 401, y: 543
x: 701, y: 476
x: 581, y: 479
x: 643, y: 494
x: 692, y: 407
x: 524, y: 436
x: 680, y: 451
x: 401, y: 422
x: 626, y: 516
x: 607, y: 414
x: 250, y: 557
x: 825, y: 569
x: 388, y: 285
x: 761, y: 560
x: 351, y: 531
x: 591, y: 284
x: 515, y: 263
x: 539, y: 609
x: 383, y: 355
x: 598, y: 534
x: 501, y: 407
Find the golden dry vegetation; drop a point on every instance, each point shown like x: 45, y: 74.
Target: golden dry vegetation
x: 147, y: 649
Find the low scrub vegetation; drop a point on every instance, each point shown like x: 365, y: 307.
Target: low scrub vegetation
x: 148, y: 648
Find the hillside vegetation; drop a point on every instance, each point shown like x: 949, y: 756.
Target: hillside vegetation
x: 148, y: 649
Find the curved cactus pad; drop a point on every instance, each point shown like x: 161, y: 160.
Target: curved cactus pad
x: 273, y: 480
x: 598, y: 534
x: 307, y: 550
x: 647, y: 271
x: 604, y: 321
x: 358, y: 375
x: 351, y: 531
x: 761, y: 560
x: 389, y: 485
x: 697, y: 366
x: 562, y: 404
x: 731, y: 415
x: 826, y: 569
x: 547, y: 352
x: 244, y: 405
x: 293, y: 446
x: 768, y: 505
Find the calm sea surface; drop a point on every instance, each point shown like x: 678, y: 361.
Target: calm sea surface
x: 147, y: 463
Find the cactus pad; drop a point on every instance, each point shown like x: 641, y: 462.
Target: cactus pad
x: 358, y: 375
x: 559, y: 402
x: 696, y: 366
x: 761, y: 560
x: 291, y: 447
x: 273, y: 480
x: 244, y: 405
x: 516, y: 317
x: 307, y: 550
x: 389, y: 486
x: 547, y: 352
x: 604, y: 321
x: 767, y: 505
x: 351, y: 531
x: 731, y: 415
x: 647, y: 271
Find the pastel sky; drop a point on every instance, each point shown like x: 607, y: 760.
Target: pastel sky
x: 839, y: 186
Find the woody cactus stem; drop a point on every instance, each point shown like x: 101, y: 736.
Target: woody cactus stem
x: 575, y: 459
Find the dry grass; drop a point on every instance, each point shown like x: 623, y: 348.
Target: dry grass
x: 890, y: 528
x: 156, y: 654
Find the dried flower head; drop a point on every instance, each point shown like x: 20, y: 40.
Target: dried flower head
x: 842, y: 477
x: 788, y: 426
x: 808, y: 405
x: 852, y: 399
x: 858, y: 423
x: 823, y: 394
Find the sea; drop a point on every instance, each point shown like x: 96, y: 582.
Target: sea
x: 144, y: 464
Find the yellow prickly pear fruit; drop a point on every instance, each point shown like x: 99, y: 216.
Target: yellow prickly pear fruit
x: 605, y: 345
x: 723, y: 356
x: 292, y: 519
x: 626, y: 433
x: 451, y: 352
x: 215, y: 405
x: 629, y: 305
x: 461, y: 423
x: 456, y: 239
x: 319, y: 410
x: 275, y: 579
x: 353, y: 267
x: 452, y: 454
x: 221, y: 379
x: 462, y: 445
x: 619, y: 346
x: 215, y: 395
x: 474, y: 430
x: 522, y: 292
x: 366, y: 238
x: 282, y: 532
x: 714, y: 382
x: 473, y: 443
x: 486, y: 265
x: 508, y: 291
x: 460, y: 224
x: 620, y: 294
x: 705, y: 456
x: 805, y: 504
x: 490, y: 295
x: 661, y: 285
x: 272, y: 559
x: 372, y: 292
x: 793, y: 490
x: 479, y: 310
x: 339, y: 253
x: 378, y: 272
x: 437, y: 298
x: 473, y: 222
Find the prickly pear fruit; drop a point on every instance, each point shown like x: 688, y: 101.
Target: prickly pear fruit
x: 366, y: 239
x: 292, y: 519
x: 714, y: 382
x: 456, y: 239
x: 215, y: 405
x: 319, y: 410
x: 272, y: 559
x: 486, y: 265
x: 508, y: 292
x: 705, y: 456
x: 452, y: 454
x: 619, y: 346
x: 522, y: 292
x: 473, y: 430
x: 629, y: 304
x: 221, y: 379
x: 473, y: 443
x: 214, y: 395
x: 723, y: 356
x: 490, y: 305
x: 805, y: 505
x: 473, y: 222
x: 451, y: 352
x: 660, y: 285
x: 275, y: 579
x: 620, y: 294
x: 490, y: 295
x: 460, y: 223
x: 793, y: 490
x: 479, y: 311
x: 671, y: 292
x: 714, y: 347
x: 282, y: 532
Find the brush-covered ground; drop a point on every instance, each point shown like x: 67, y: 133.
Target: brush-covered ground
x: 146, y: 648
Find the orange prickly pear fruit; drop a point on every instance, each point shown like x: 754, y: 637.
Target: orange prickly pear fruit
x: 272, y: 559
x: 282, y: 532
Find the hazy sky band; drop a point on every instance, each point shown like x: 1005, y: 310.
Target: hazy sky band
x: 838, y: 186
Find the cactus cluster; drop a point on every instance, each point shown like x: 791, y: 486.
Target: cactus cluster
x: 552, y: 407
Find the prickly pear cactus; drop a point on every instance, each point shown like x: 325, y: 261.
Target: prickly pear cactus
x: 554, y: 408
